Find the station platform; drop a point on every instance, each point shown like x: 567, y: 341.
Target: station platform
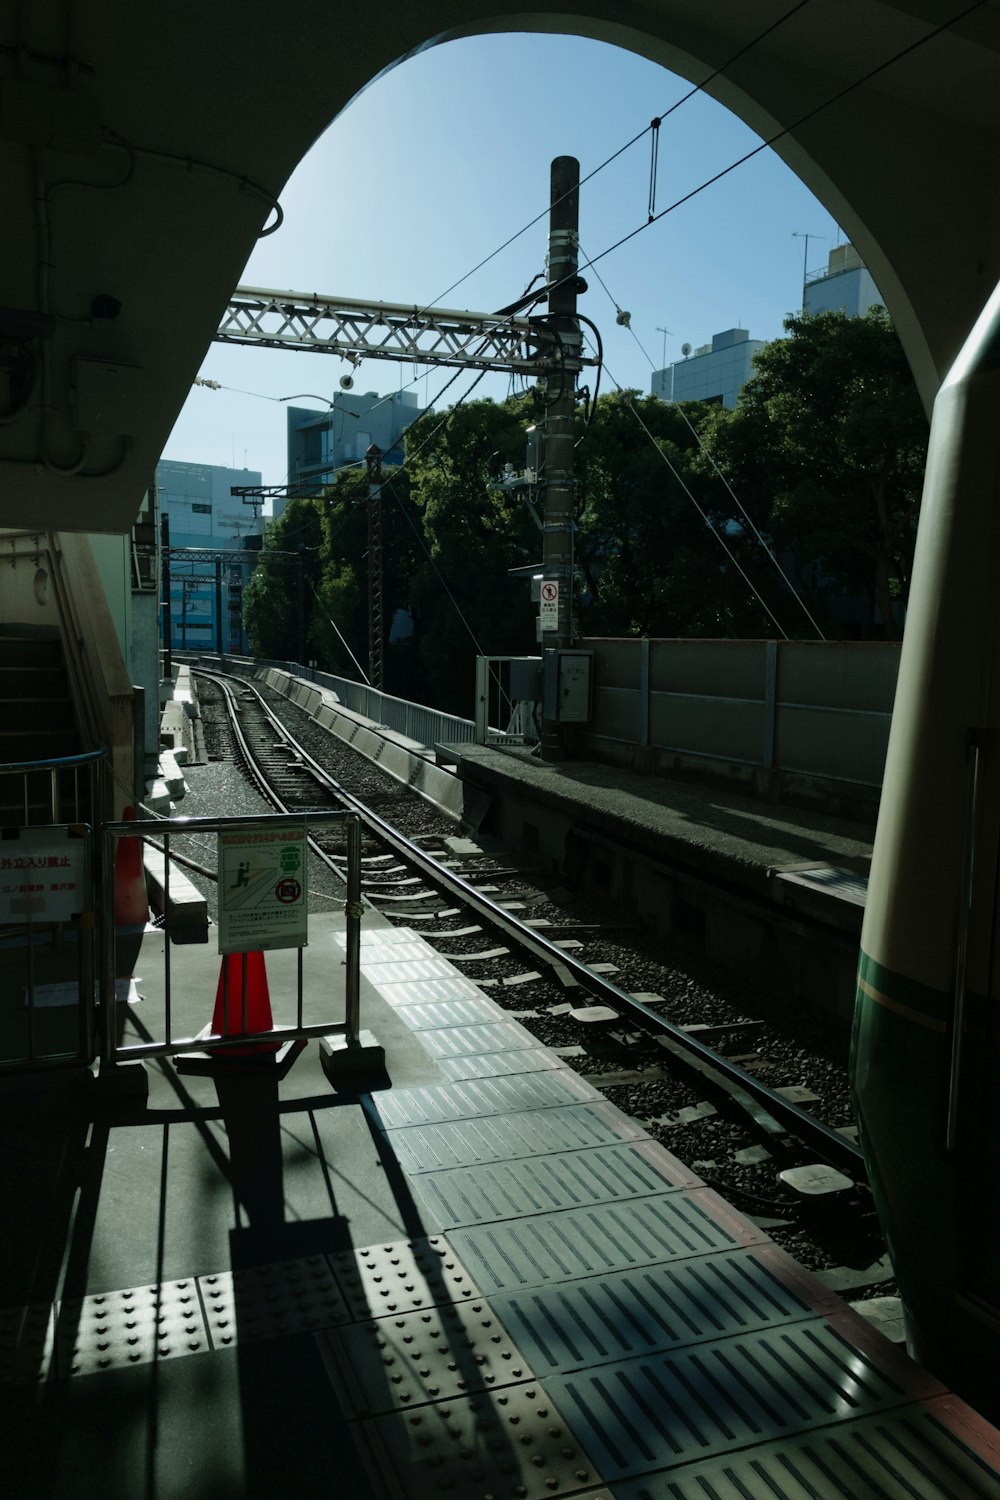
x: 469, y: 1276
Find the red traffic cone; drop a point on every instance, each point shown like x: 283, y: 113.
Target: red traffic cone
x: 131, y: 900
x: 239, y: 971
x: 131, y: 903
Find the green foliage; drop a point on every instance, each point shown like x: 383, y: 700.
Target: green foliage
x: 462, y: 600
x: 826, y: 448
x: 650, y: 562
x: 275, y: 607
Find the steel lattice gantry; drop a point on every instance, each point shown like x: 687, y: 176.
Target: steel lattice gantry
x: 386, y: 330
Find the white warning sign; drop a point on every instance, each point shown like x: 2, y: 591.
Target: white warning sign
x: 548, y: 611
x: 43, y: 875
x: 263, y: 896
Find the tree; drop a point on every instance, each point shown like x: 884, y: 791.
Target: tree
x: 277, y: 598
x: 826, y: 449
x: 341, y: 606
x: 464, y: 602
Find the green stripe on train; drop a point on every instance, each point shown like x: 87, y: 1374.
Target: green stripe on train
x: 923, y: 1001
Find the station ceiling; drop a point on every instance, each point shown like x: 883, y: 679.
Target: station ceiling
x: 143, y: 148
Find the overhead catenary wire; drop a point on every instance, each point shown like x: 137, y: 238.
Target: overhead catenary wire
x: 618, y: 311
x: 803, y: 119
x: 590, y: 263
x: 695, y: 89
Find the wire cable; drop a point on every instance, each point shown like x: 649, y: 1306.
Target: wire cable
x: 708, y: 524
x: 618, y: 311
x: 695, y: 89
x: 787, y: 130
x: 679, y: 407
x: 364, y: 677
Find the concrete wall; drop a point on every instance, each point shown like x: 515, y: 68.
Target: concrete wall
x: 790, y: 720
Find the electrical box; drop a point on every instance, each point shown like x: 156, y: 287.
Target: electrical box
x: 567, y: 686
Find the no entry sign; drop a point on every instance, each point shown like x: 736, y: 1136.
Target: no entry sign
x: 548, y: 596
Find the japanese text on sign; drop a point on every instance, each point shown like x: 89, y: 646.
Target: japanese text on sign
x: 263, y: 899
x: 548, y: 604
x: 42, y: 875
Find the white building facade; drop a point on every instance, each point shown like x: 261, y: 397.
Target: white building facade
x: 321, y: 442
x: 845, y: 286
x: 713, y: 372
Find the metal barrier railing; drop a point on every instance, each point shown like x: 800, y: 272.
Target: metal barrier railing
x: 264, y: 908
x: 47, y: 960
x: 506, y: 700
x: 426, y: 726
x: 64, y: 789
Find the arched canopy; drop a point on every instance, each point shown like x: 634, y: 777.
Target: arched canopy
x: 161, y: 137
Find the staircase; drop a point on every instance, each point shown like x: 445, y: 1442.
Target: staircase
x: 37, y: 722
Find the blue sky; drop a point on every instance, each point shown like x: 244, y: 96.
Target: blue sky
x: 440, y: 161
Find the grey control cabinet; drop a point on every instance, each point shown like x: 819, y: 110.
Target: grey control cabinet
x: 567, y: 686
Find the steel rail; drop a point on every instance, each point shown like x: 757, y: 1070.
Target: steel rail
x: 828, y: 1142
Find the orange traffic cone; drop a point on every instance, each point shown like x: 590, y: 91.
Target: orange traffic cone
x: 242, y: 986
x: 131, y: 900
x: 239, y: 972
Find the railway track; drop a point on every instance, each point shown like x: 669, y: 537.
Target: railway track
x: 693, y: 1074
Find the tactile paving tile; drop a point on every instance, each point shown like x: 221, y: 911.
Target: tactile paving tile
x: 26, y: 1343
x: 593, y: 1322
x: 590, y: 1241
x: 903, y: 1453
x: 465, y: 1009
x: 400, y: 1277
x: 567, y: 1179
x: 458, y: 1143
x: 533, y: 1059
x: 393, y: 938
x: 261, y: 1302
x: 458, y: 1041
x: 406, y: 969
x: 505, y: 1443
x: 430, y: 992
x: 473, y: 1098
x: 111, y: 1330
x: 721, y: 1396
x: 438, y: 1354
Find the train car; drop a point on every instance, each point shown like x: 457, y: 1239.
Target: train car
x: 925, y: 1064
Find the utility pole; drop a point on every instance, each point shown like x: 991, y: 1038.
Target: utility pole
x: 219, y: 636
x: 376, y: 633
x: 560, y: 387
x: 301, y: 606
